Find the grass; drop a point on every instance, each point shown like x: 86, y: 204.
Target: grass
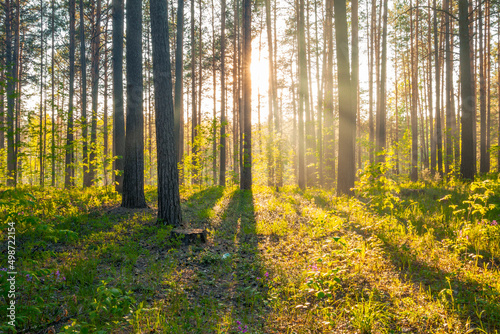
x: 398, y: 258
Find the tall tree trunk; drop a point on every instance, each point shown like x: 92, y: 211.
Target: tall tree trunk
x: 347, y: 113
x: 236, y: 90
x: 488, y: 80
x: 201, y: 162
x: 473, y: 65
x: 484, y: 166
x: 467, y: 94
x: 214, y: 88
x: 105, y: 116
x: 355, y: 68
x: 414, y: 96
x: 179, y: 81
x: 294, y: 137
x: 329, y: 152
x: 169, y: 206
x: 83, y: 68
x: 371, y: 51
x: 278, y: 119
x: 18, y: 78
x: 133, y: 178
x: 438, y: 135
x: 449, y: 78
x: 272, y: 99
x: 311, y: 171
x: 41, y: 127
x: 430, y: 97
x: 53, y: 118
x: 96, y: 38
x: 320, y: 86
x: 381, y: 99
x: 223, y: 121
x: 149, y: 103
x: 311, y: 176
x: 11, y: 158
x: 69, y: 180
x: 302, y: 90
x: 396, y: 110
x: 118, y: 112
x: 194, y: 114
x: 498, y: 94
x: 246, y: 172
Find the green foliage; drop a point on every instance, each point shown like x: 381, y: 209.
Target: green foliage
x: 108, y: 308
x: 401, y: 257
x: 367, y: 315
x: 478, y: 202
x: 377, y: 187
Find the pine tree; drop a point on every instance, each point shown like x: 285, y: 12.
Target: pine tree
x: 133, y: 177
x: 246, y: 172
x: 169, y: 206
x: 347, y: 113
x: 118, y: 112
x: 467, y: 94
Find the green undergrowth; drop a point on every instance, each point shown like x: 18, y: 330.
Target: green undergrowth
x: 398, y: 257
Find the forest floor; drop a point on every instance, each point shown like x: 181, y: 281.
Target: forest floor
x: 397, y: 258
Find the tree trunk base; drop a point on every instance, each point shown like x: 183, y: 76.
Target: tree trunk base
x: 190, y: 236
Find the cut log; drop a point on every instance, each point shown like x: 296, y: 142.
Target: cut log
x: 190, y: 236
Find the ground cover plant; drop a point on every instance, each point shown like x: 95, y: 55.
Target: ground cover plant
x: 398, y: 257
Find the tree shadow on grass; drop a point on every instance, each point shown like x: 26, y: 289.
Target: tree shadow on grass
x: 231, y: 281
x: 469, y: 299
x: 198, y: 208
x: 466, y: 297
x: 249, y: 276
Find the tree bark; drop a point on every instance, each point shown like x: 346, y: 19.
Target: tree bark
x: 169, y: 206
x: 214, y: 88
x: 133, y: 178
x: 11, y: 158
x: 302, y: 72
x: 194, y: 115
x: 381, y: 100
x: 414, y: 97
x: 96, y: 38
x: 371, y: 51
x: 223, y: 121
x: 272, y: 104
x: 448, y: 160
x: 83, y: 67
x: 438, y: 135
x: 246, y: 172
x: 41, y: 127
x: 53, y: 119
x: 355, y: 67
x: 178, y: 94
x: 105, y: 116
x: 118, y: 110
x: 320, y: 86
x: 311, y: 176
x: 347, y: 113
x: 484, y: 166
x: 69, y: 180
x: 329, y: 135
x: 467, y: 94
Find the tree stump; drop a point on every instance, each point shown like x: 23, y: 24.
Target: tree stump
x: 190, y: 236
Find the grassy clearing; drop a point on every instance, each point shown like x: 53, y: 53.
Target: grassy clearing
x: 400, y: 258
